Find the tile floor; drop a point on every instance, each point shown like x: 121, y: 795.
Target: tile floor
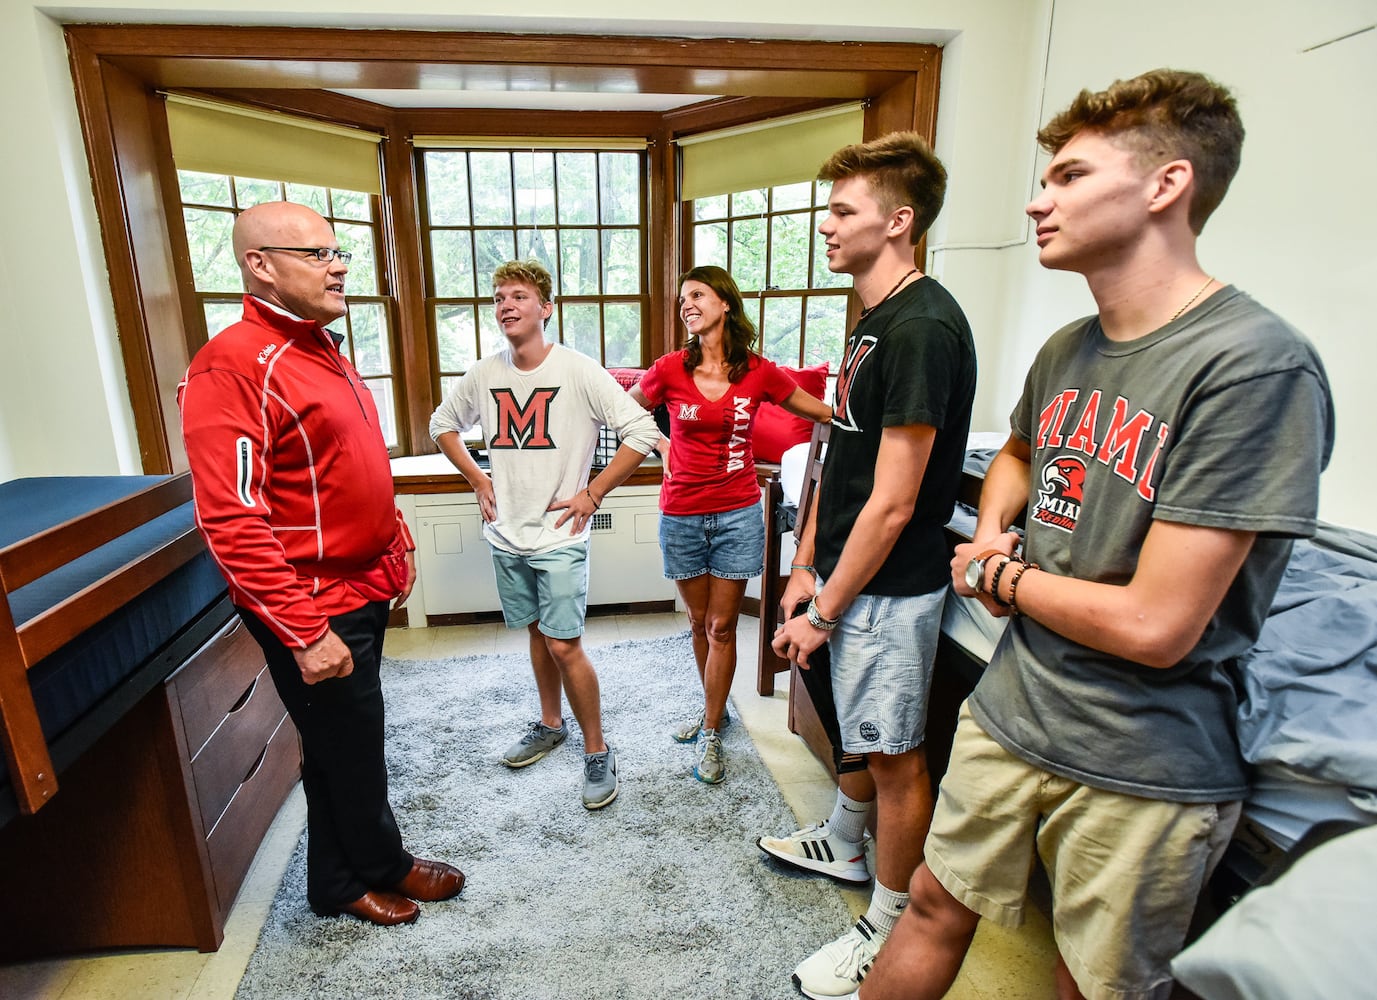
x: 1002, y: 965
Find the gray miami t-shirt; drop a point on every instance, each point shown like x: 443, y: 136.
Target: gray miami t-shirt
x: 1223, y: 419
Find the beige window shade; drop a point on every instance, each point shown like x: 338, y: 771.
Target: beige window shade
x: 779, y: 151
x: 226, y: 139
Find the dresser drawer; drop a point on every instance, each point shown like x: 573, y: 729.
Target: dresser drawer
x: 214, y: 679
x: 234, y: 840
x: 223, y: 763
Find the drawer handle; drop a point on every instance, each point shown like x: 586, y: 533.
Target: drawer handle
x: 244, y: 698
x: 262, y: 756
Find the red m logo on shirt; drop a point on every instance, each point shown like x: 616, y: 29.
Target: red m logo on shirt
x: 525, y: 426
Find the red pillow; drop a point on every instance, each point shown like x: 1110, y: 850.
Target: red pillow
x: 776, y: 429
x: 626, y: 377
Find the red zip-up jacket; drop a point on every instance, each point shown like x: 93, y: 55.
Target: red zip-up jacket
x: 292, y: 481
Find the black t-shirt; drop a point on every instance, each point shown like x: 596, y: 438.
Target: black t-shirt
x: 911, y: 361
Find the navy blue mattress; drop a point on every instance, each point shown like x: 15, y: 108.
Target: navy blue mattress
x: 73, y: 680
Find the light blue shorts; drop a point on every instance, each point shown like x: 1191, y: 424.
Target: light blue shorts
x: 882, y: 654
x: 549, y: 587
x: 730, y: 546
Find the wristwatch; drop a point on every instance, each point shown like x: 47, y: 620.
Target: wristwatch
x: 975, y: 569
x: 816, y: 619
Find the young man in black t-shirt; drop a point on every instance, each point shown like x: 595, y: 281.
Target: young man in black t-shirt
x: 872, y: 566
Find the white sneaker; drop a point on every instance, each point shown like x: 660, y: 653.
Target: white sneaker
x: 815, y: 849
x: 836, y: 969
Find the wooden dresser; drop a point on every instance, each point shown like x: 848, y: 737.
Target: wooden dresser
x: 155, y: 827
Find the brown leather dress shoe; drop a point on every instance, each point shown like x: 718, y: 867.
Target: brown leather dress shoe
x: 386, y: 909
x: 430, y: 881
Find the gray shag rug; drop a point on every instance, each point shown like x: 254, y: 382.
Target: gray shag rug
x: 661, y: 894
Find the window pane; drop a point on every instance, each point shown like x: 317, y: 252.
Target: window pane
x: 447, y: 188
x: 823, y: 191
x: 451, y: 262
x: 221, y: 314
x: 456, y: 334
x: 822, y: 276
x: 579, y: 268
x: 312, y: 197
x: 363, y: 269
x: 622, y: 334
x: 825, y: 330
x: 781, y: 333
x: 535, y: 188
x: 204, y: 189
x: 791, y: 196
x: 710, y: 244
x: 710, y: 208
x: 491, y: 339
x: 213, y: 266
x: 493, y: 248
x: 789, y: 250
x: 540, y: 245
x: 748, y: 253
x: 249, y: 192
x: 578, y: 203
x: 621, y: 188
x: 492, y: 188
x: 621, y: 261
x: 351, y: 205
x: 749, y: 202
x: 368, y: 331
x: 381, y: 388
x: 752, y: 304
x: 580, y: 326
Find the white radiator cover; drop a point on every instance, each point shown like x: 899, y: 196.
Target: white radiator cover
x: 456, y: 565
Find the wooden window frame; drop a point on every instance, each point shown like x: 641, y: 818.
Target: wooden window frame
x: 118, y: 69
x: 480, y: 300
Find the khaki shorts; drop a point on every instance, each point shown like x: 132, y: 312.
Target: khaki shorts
x: 1125, y: 871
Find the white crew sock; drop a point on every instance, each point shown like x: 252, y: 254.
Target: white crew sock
x: 847, y: 821
x: 885, y: 907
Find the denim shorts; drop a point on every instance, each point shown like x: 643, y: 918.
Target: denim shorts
x: 730, y: 546
x: 548, y: 587
x: 882, y: 654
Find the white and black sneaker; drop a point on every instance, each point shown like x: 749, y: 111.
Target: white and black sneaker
x: 836, y: 969
x: 816, y: 849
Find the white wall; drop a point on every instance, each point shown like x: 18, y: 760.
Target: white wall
x: 1296, y: 230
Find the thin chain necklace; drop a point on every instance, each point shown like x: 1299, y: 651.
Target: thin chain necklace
x: 1189, y: 302
x: 890, y: 294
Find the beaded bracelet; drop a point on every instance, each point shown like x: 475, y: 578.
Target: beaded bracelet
x: 1013, y: 586
x: 595, y: 504
x: 810, y: 569
x: 994, y: 584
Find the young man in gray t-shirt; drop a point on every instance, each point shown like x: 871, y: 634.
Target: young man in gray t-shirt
x: 1166, y: 451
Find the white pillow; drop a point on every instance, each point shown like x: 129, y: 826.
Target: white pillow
x: 1312, y: 933
x: 792, y: 465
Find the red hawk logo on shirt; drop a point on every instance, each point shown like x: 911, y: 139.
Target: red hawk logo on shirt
x: 1061, y: 494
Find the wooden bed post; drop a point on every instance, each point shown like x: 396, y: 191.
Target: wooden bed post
x: 26, y: 750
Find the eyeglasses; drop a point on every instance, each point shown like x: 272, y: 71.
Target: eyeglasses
x: 323, y: 254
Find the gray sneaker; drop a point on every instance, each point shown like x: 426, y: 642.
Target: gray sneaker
x: 538, y: 740
x: 687, y: 732
x: 711, y: 768
x: 599, y: 778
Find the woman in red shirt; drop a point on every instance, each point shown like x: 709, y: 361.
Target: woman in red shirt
x: 712, y: 531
